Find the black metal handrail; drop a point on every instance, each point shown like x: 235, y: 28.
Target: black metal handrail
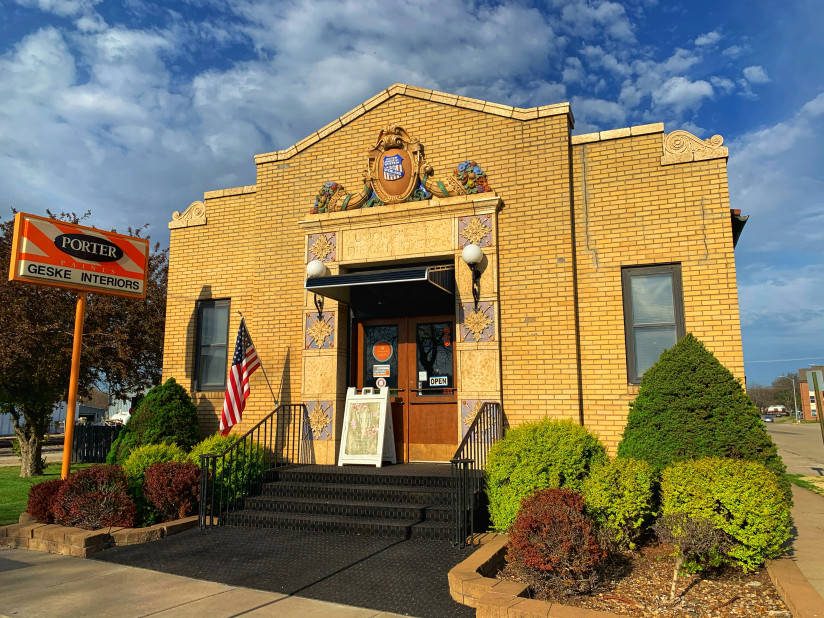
x: 468, y: 466
x: 226, y: 478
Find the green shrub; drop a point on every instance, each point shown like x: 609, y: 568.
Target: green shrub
x: 230, y: 480
x: 165, y: 415
x: 135, y: 469
x: 533, y: 456
x: 690, y: 406
x: 619, y: 497
x: 743, y: 499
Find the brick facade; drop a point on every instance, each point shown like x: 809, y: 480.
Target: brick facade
x: 565, y: 215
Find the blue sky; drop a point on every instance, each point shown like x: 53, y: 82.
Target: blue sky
x: 132, y: 109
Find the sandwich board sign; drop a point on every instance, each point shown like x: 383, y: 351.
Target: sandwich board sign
x: 367, y: 436
x: 52, y: 252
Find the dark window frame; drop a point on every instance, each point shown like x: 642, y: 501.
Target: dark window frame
x: 210, y: 387
x: 627, y: 273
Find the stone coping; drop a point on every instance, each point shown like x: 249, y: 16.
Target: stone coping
x: 472, y: 583
x: 69, y: 541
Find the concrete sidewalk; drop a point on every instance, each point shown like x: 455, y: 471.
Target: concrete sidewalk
x: 808, y: 546
x: 40, y: 584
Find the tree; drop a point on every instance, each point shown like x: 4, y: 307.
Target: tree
x: 782, y: 390
x: 690, y: 406
x: 122, y: 344
x: 760, y: 395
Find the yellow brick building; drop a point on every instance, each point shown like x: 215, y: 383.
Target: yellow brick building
x: 598, y: 251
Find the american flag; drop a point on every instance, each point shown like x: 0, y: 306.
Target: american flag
x: 244, y: 363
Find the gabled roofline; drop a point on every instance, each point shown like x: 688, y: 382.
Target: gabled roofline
x: 488, y: 107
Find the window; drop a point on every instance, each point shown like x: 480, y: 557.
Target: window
x: 212, y: 345
x: 653, y: 314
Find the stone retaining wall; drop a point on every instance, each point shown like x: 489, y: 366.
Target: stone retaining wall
x: 68, y: 541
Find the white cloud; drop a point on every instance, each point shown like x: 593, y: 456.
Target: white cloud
x: 733, y: 51
x: 710, y: 38
x: 586, y: 19
x: 679, y: 93
x: 722, y: 84
x: 63, y: 8
x: 756, y: 75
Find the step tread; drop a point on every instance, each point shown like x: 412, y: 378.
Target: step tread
x: 357, y: 486
x: 342, y: 502
x: 365, y: 521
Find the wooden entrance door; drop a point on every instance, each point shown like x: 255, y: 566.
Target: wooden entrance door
x: 415, y: 356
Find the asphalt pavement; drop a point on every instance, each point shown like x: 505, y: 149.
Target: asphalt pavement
x: 801, y: 446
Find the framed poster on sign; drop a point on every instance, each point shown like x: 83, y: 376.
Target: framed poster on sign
x: 367, y: 436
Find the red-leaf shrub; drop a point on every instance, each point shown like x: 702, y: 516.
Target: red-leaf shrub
x: 41, y: 500
x: 554, y: 538
x: 95, y: 498
x: 173, y: 488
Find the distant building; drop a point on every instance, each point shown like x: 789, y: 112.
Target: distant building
x: 809, y: 404
x: 92, y: 410
x: 597, y: 252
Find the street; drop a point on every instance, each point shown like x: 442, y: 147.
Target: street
x: 800, y: 446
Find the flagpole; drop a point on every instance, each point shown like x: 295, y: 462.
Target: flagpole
x: 274, y: 399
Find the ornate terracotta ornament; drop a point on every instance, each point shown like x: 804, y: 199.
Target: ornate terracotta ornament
x: 319, y: 330
x: 473, y: 412
x: 475, y: 231
x: 319, y: 419
x: 682, y: 146
x: 398, y: 172
x: 476, y: 322
x: 195, y: 214
x: 321, y: 247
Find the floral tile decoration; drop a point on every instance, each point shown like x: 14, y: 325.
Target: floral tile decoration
x: 320, y: 331
x: 478, y: 324
x: 469, y: 410
x: 323, y: 247
x: 475, y: 230
x: 317, y: 424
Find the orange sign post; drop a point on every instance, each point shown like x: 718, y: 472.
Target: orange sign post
x: 52, y: 252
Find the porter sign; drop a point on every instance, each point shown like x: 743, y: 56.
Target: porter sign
x: 53, y: 252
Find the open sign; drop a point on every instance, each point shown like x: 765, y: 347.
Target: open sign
x: 439, y: 381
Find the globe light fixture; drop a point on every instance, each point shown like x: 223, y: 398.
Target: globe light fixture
x: 316, y: 268
x: 473, y: 255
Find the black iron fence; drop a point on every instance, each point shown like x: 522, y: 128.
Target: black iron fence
x: 92, y: 443
x: 468, y: 469
x: 226, y: 478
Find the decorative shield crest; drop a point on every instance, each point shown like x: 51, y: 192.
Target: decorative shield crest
x: 394, y: 165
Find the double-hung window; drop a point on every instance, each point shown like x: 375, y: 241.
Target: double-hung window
x: 653, y: 314
x: 212, y: 344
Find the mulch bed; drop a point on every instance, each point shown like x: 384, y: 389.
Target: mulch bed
x: 638, y: 584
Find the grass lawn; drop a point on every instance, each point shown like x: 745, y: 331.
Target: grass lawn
x: 813, y: 483
x: 15, y: 490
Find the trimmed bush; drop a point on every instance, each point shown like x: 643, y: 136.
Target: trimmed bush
x: 690, y: 406
x: 743, y: 499
x: 533, y: 456
x: 165, y: 415
x: 95, y: 498
x: 231, y: 481
x: 173, y: 488
x: 41, y: 500
x: 554, y: 538
x: 135, y: 469
x: 619, y: 497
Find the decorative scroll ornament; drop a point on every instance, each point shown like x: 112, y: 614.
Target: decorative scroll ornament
x: 195, y: 214
x: 319, y: 419
x: 320, y: 330
x: 476, y: 322
x: 473, y: 412
x: 682, y: 147
x: 321, y: 248
x: 475, y: 231
x: 398, y: 172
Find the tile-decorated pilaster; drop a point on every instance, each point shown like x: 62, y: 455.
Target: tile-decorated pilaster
x: 476, y: 230
x: 319, y: 423
x: 323, y: 247
x: 478, y: 324
x: 320, y: 330
x: 469, y: 410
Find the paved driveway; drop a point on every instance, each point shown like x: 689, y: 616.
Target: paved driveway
x: 800, y: 446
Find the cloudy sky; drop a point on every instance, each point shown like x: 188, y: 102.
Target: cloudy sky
x: 133, y: 108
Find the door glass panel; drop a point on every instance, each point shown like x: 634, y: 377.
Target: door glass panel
x: 380, y: 353
x: 434, y: 347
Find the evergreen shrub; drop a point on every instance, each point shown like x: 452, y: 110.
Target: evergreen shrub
x: 41, y: 500
x: 743, y: 499
x: 539, y: 455
x: 173, y: 488
x: 95, y: 498
x: 165, y: 415
x: 690, y: 406
x: 135, y: 468
x: 553, y: 540
x: 620, y: 497
x: 230, y: 480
